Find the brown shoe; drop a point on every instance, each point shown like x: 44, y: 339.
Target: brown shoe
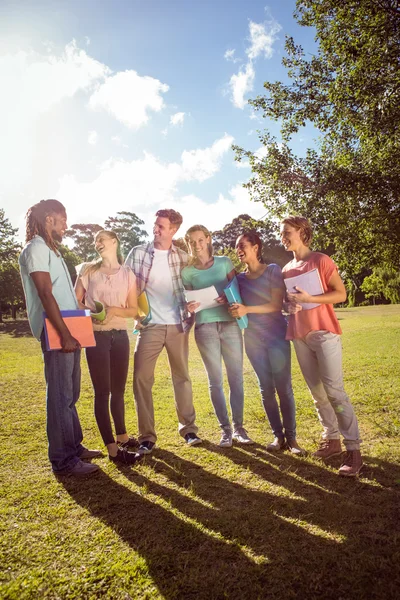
x: 279, y: 443
x: 352, y: 464
x: 328, y: 448
x: 294, y: 448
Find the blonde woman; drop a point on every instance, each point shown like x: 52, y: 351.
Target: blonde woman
x: 217, y: 333
x: 108, y: 281
x: 316, y: 338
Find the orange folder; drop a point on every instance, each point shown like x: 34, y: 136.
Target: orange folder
x: 80, y: 325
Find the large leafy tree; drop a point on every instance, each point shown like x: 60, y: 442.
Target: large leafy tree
x: 9, y: 247
x: 82, y: 234
x: 11, y: 292
x: 128, y: 227
x: 224, y: 240
x: 350, y: 90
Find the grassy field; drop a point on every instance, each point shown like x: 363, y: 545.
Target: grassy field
x: 205, y: 522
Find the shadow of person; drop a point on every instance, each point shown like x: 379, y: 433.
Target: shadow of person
x: 16, y: 328
x: 183, y: 560
x: 311, y: 531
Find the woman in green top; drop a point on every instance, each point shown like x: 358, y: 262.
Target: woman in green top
x: 217, y: 333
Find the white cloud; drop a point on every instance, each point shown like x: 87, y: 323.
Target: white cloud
x: 177, y: 119
x: 199, y: 165
x: 142, y: 185
x: 230, y: 56
x: 128, y: 97
x: 93, y: 138
x: 241, y: 84
x: 262, y: 38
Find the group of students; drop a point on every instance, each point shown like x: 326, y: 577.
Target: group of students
x: 165, y: 272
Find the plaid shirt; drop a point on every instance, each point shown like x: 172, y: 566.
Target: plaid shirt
x: 140, y: 260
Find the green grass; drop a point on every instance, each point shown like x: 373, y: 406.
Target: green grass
x: 203, y: 522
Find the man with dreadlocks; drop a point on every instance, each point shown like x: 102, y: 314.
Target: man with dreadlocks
x: 48, y: 287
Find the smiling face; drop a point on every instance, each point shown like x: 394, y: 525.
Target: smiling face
x: 56, y: 225
x: 245, y: 250
x: 163, y: 231
x: 290, y: 237
x: 105, y: 244
x: 199, y: 244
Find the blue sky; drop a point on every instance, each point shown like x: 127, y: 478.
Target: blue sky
x: 133, y: 105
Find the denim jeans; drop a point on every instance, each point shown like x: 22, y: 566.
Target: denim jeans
x: 216, y: 341
x: 320, y: 358
x: 108, y: 364
x: 270, y: 359
x: 63, y: 377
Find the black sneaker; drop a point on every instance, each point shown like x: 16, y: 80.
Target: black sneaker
x: 146, y: 447
x: 192, y: 439
x: 126, y: 458
x: 132, y: 442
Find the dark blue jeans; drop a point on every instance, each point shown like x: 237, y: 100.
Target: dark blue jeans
x: 63, y: 377
x: 270, y: 360
x: 108, y: 364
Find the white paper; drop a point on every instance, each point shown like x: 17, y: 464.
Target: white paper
x: 206, y: 297
x: 309, y: 282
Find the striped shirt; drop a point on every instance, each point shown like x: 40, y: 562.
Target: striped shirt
x: 140, y: 260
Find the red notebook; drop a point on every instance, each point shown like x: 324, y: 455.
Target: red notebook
x: 79, y: 323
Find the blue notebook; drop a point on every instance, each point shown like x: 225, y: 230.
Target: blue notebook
x: 233, y: 296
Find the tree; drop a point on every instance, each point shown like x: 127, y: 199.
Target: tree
x: 82, y: 235
x: 225, y: 239
x: 71, y: 260
x: 383, y: 282
x: 350, y: 90
x: 127, y: 226
x: 9, y: 247
x: 11, y: 290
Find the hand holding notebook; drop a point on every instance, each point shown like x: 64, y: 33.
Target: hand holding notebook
x: 310, y: 282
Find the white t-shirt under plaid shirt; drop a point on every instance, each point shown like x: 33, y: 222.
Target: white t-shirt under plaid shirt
x: 140, y: 260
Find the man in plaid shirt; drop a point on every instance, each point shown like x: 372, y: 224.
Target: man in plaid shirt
x: 157, y: 267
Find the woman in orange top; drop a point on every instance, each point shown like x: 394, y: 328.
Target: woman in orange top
x: 316, y: 337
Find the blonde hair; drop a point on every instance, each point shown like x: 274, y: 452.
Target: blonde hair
x: 301, y: 224
x: 96, y: 264
x: 206, y: 232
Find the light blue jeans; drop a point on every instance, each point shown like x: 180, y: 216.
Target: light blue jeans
x: 270, y: 360
x: 216, y: 341
x: 63, y: 377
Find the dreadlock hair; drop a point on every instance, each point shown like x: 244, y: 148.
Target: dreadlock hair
x: 36, y: 221
x: 96, y: 264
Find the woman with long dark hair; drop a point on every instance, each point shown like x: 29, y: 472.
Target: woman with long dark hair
x: 316, y: 338
x: 108, y: 281
x: 262, y: 291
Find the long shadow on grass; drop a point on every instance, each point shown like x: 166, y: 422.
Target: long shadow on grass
x: 309, y: 532
x: 16, y: 328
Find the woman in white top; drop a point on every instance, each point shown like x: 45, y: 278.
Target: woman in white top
x: 108, y: 281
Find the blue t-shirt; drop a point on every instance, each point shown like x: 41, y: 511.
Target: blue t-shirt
x: 217, y: 275
x: 37, y: 256
x: 258, y: 291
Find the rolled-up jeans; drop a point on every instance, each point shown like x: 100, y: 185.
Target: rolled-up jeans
x: 62, y: 371
x: 217, y: 341
x: 270, y: 359
x: 320, y: 358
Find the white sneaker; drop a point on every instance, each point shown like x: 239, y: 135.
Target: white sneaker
x: 226, y: 439
x: 240, y: 436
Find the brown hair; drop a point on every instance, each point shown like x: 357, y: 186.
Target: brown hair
x: 174, y: 217
x: 96, y: 264
x: 301, y: 224
x: 36, y: 221
x: 255, y: 240
x: 207, y: 233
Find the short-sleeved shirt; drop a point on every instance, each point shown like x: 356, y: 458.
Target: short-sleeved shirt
x: 321, y: 317
x: 217, y: 275
x: 38, y: 257
x: 110, y: 290
x: 259, y: 291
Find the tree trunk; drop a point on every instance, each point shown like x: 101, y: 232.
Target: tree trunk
x: 14, y: 312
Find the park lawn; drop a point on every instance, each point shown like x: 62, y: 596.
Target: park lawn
x: 205, y: 522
